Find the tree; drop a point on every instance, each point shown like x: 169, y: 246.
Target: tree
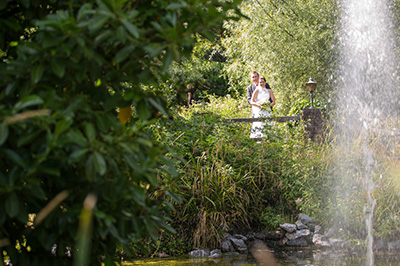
x: 287, y: 41
x: 71, y: 74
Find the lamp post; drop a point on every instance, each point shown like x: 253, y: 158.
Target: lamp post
x: 311, y: 85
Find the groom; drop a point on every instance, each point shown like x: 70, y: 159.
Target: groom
x: 252, y: 87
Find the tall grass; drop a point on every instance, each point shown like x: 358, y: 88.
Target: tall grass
x: 229, y: 182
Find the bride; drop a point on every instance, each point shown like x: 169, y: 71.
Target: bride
x: 261, y: 107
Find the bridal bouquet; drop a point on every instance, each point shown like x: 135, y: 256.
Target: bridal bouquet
x: 265, y: 104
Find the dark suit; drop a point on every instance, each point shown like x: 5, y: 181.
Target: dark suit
x: 250, y: 89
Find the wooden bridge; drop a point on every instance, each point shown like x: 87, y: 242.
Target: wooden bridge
x: 273, y: 118
x: 312, y: 119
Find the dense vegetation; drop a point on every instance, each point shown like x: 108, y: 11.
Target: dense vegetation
x: 99, y: 156
x: 71, y: 73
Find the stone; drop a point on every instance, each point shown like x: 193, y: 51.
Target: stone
x: 260, y: 236
x: 215, y: 254
x: 276, y: 235
x: 395, y: 245
x: 163, y: 255
x: 317, y: 229
x: 239, y: 245
x: 312, y: 120
x: 200, y: 253
x: 300, y: 225
x: 299, y: 242
x: 242, y: 237
x: 298, y: 234
x: 306, y: 219
x: 380, y: 245
x: 227, y: 246
x: 338, y: 243
x: 321, y: 240
x: 290, y: 228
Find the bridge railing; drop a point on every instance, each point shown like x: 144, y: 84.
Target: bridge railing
x: 259, y: 119
x: 311, y: 118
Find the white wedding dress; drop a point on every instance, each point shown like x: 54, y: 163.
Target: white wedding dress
x: 258, y: 127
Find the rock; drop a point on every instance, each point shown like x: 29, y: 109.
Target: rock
x: 260, y: 236
x: 242, y: 237
x: 300, y: 225
x: 299, y: 242
x: 227, y: 246
x: 380, y: 245
x: 227, y: 236
x: 395, y: 245
x: 163, y: 255
x: 320, y: 240
x: 290, y: 228
x: 317, y: 229
x: 200, y: 253
x: 338, y: 243
x: 312, y: 227
x: 277, y: 235
x: 298, y: 234
x: 215, y: 254
x: 239, y: 245
x: 306, y: 219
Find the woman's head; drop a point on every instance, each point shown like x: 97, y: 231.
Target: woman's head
x: 263, y: 81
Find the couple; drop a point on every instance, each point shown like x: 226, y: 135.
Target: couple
x: 261, y: 98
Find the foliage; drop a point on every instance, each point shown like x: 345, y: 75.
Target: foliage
x: 231, y: 183
x: 286, y: 41
x: 203, y: 70
x: 67, y: 70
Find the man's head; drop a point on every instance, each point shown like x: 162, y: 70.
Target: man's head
x: 254, y: 77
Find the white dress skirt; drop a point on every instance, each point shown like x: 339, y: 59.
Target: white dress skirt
x: 258, y: 127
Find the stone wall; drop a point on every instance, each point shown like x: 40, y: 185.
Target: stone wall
x: 312, y: 120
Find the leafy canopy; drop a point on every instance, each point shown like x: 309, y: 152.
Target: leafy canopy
x: 67, y: 69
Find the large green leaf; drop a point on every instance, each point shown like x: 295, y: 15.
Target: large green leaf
x: 132, y: 29
x: 14, y: 157
x: 58, y: 67
x: 99, y: 163
x: 3, y: 133
x: 28, y: 101
x: 37, y: 73
x: 12, y: 204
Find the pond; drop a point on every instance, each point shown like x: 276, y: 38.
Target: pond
x: 283, y: 257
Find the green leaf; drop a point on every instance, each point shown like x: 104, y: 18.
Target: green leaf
x: 177, y: 5
x: 83, y: 11
x: 12, y: 205
x: 90, y: 132
x: 13, y: 156
x: 62, y: 126
x: 28, y: 137
x: 158, y: 106
x: 97, y: 22
x: 123, y: 54
x: 131, y: 28
x: 37, y: 73
x: 77, y: 137
x: 58, y: 67
x: 78, y: 154
x: 139, y: 196
x: 89, y: 168
x: 143, y: 110
x: 28, y: 101
x: 99, y: 163
x: 3, y: 133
